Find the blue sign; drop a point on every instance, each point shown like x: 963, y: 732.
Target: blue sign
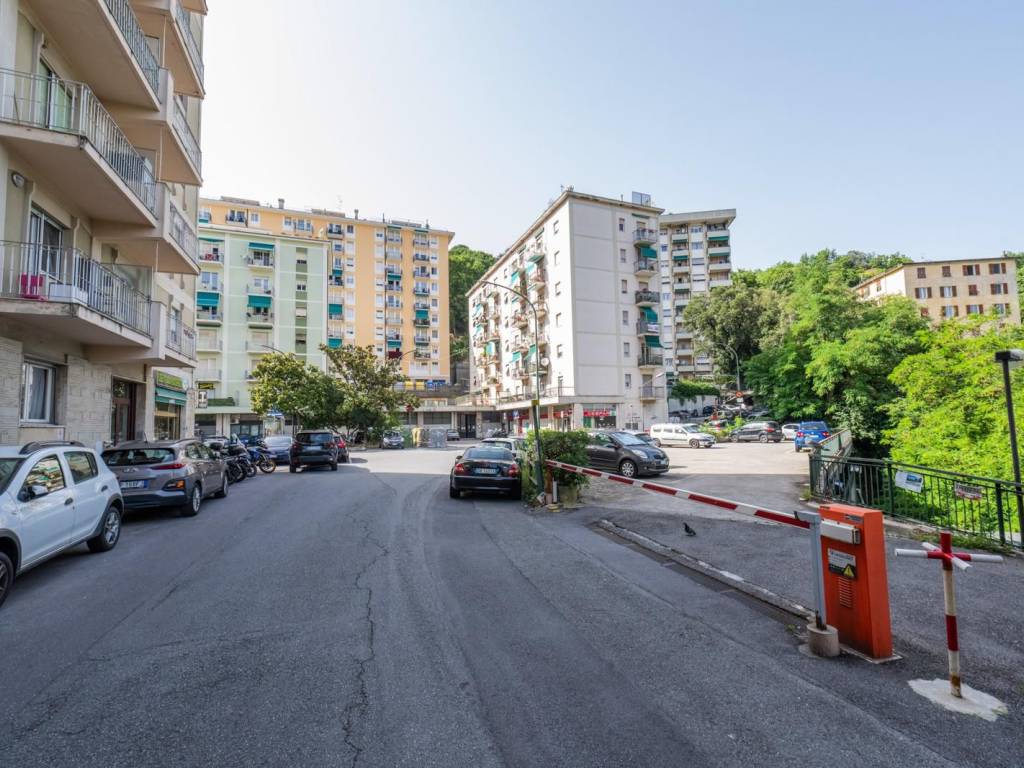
x: 275, y: 414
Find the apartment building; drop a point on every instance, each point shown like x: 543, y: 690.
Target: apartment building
x: 100, y: 165
x: 277, y: 278
x: 954, y: 288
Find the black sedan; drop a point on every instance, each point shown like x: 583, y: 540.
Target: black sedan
x: 485, y: 469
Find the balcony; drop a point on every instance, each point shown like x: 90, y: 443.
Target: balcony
x: 208, y: 374
x: 259, y: 289
x: 62, y: 130
x: 720, y: 266
x: 647, y: 298
x: 171, y: 245
x: 681, y: 268
x: 209, y: 256
x: 421, y: 322
x: 718, y: 250
x: 645, y: 267
x: 420, y: 257
x: 259, y: 319
x: 260, y: 261
x: 209, y: 316
x: 648, y: 359
x: 103, y: 41
x: 541, y: 307
x: 206, y: 342
x: 393, y: 287
x: 171, y: 22
x: 680, y: 254
x: 421, y: 340
x: 254, y: 347
x: 719, y: 283
x: 680, y: 237
x: 393, y: 254
x: 645, y: 236
x: 421, y: 289
x: 421, y: 354
x: 647, y: 328
x: 648, y: 393
x: 521, y: 319
x: 63, y: 291
x: 536, y: 279
x: 180, y: 340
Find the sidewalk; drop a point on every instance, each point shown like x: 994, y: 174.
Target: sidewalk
x: 773, y: 556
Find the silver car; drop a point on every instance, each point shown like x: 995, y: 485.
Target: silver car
x: 167, y: 473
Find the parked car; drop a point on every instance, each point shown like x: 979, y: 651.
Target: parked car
x: 53, y: 496
x: 452, y: 434
x: 716, y: 426
x: 485, y: 468
x: 515, y: 444
x: 625, y: 454
x: 641, y: 435
x: 789, y: 431
x: 707, y: 410
x: 681, y: 434
x: 809, y: 434
x: 317, y: 447
x: 280, y: 447
x: 759, y: 431
x: 168, y: 473
x: 392, y: 438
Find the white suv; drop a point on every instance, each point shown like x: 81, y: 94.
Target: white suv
x: 53, y: 496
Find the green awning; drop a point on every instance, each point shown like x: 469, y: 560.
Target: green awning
x: 489, y: 348
x: 395, y: 343
x: 648, y: 253
x: 337, y: 272
x: 514, y: 276
x: 207, y: 299
x: 334, y: 309
x: 515, y: 356
x: 334, y: 343
x: 650, y: 314
x: 261, y: 246
x: 653, y: 341
x: 680, y: 257
x: 212, y: 239
x: 423, y: 314
x: 394, y: 275
x: 719, y: 236
x: 170, y: 397
x: 262, y: 302
x: 533, y: 350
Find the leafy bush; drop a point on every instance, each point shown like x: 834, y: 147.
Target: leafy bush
x: 723, y: 436
x: 569, y: 447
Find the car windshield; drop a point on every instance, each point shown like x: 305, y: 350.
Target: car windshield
x: 814, y: 425
x: 278, y: 440
x: 7, y: 469
x: 392, y: 433
x: 489, y: 454
x: 627, y: 439
x: 135, y: 457
x: 690, y: 429
x: 315, y: 438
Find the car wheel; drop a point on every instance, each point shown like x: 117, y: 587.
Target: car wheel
x: 695, y: 444
x: 453, y: 492
x: 6, y: 577
x: 762, y: 439
x: 334, y: 466
x: 292, y: 468
x: 796, y: 447
x: 195, y: 501
x: 628, y: 468
x: 223, y: 492
x: 110, y: 531
x: 733, y: 439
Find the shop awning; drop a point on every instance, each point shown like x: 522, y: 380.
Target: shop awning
x: 261, y: 302
x: 650, y: 314
x: 334, y: 309
x: 207, y: 299
x: 170, y: 397
x: 262, y: 246
x: 647, y: 252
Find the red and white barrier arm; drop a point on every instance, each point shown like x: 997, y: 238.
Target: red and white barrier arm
x: 829, y: 529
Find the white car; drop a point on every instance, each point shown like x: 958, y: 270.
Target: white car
x: 515, y: 444
x: 789, y: 431
x: 680, y: 434
x: 53, y: 496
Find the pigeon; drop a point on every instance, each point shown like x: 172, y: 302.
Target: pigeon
x: 689, y: 530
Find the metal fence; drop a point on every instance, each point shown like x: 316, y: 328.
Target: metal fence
x: 970, y: 504
x: 69, y: 107
x: 180, y: 337
x: 124, y: 17
x: 184, y: 18
x: 188, y: 139
x: 48, y: 273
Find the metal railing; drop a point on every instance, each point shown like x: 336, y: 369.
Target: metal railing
x: 68, y: 107
x: 646, y: 297
x: 123, y: 15
x: 180, y: 337
x: 207, y: 343
x: 645, y: 265
x: 188, y: 139
x: 209, y: 315
x: 211, y: 257
x: 185, y: 25
x: 259, y: 289
x: 649, y: 358
x: 207, y: 374
x: 183, y: 234
x: 644, y: 235
x: 262, y: 318
x: 644, y: 328
x: 982, y: 506
x: 48, y: 273
x: 652, y: 393
x: 260, y: 261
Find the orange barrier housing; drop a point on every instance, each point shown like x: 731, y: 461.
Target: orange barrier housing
x: 856, y: 581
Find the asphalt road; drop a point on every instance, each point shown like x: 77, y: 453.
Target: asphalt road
x: 363, y: 618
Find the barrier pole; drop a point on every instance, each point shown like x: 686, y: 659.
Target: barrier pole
x: 817, y: 572
x: 949, y: 600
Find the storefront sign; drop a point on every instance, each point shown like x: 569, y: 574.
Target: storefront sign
x: 201, y: 398
x: 169, y: 381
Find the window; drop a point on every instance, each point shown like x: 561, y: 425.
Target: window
x: 878, y: 287
x: 554, y: 259
x: 558, y: 289
x: 922, y: 293
x: 629, y: 381
x: 301, y: 312
x: 921, y: 273
x: 999, y: 289
x: 554, y: 226
x: 947, y: 271
x: 350, y: 229
x: 975, y: 309
x: 950, y: 311
x: 37, y: 402
x: 236, y: 217
x: 1001, y: 309
x: 558, y: 320
x: 997, y: 269
x: 971, y: 270
x: 254, y: 218
x: 625, y: 317
x: 624, y: 286
x: 696, y: 230
x: 192, y: 452
x: 301, y: 288
x: 82, y: 466
x: 947, y: 291
x: 47, y: 473
x: 558, y: 351
x: 622, y: 255
x: 622, y: 224
x: 625, y: 349
x: 697, y: 246
x: 972, y: 290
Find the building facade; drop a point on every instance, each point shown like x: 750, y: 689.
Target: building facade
x: 951, y: 289
x: 275, y: 278
x: 100, y: 166
x: 605, y: 284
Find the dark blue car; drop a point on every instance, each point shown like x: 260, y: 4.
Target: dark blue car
x: 810, y: 433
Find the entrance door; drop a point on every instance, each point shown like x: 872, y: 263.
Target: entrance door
x: 122, y: 411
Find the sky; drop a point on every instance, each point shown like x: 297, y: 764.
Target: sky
x: 874, y: 126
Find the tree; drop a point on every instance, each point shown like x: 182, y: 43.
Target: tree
x: 688, y: 389
x: 465, y: 267
x: 285, y: 383
x: 369, y: 400
x: 1018, y: 257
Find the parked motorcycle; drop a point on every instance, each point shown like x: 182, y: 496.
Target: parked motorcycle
x: 262, y: 458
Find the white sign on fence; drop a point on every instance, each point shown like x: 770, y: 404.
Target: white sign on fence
x: 909, y: 481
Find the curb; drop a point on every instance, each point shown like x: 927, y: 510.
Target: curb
x: 706, y: 569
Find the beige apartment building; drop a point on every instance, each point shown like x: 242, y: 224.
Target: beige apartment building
x: 950, y: 289
x: 100, y: 167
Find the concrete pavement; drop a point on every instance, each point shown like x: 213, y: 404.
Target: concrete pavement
x: 364, y: 618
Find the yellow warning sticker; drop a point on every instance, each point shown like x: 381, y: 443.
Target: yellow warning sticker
x: 842, y: 563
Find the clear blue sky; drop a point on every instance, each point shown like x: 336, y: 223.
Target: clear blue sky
x: 880, y: 126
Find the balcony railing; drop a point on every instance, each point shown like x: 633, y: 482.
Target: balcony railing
x: 207, y: 374
x: 652, y: 393
x: 124, y: 17
x: 647, y: 297
x: 183, y: 235
x: 645, y: 265
x: 644, y: 328
x: 260, y: 289
x: 188, y: 139
x: 649, y: 358
x: 185, y: 25
x: 212, y: 257
x: 644, y: 235
x: 259, y: 318
x: 207, y: 343
x: 68, y: 107
x: 46, y: 273
x: 181, y: 338
x: 209, y: 315
x: 264, y: 262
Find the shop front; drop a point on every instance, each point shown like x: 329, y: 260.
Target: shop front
x: 599, y: 416
x: 169, y: 412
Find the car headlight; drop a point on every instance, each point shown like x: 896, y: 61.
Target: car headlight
x: 641, y: 454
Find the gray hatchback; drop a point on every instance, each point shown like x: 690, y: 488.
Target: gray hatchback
x: 167, y: 473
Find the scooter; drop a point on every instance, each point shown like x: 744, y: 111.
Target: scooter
x: 261, y: 457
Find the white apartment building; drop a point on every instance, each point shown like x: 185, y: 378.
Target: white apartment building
x: 605, y: 333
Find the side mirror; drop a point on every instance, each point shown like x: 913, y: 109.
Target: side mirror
x: 35, y: 492
x: 458, y: 457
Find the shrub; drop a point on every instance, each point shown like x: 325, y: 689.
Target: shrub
x: 569, y: 447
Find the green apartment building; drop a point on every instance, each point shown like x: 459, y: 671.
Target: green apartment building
x: 257, y: 292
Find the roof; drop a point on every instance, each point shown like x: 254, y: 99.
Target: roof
x: 679, y: 218
x: 936, y: 263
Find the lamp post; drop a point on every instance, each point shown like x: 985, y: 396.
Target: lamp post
x: 739, y: 387
x: 536, y: 368
x: 1008, y: 358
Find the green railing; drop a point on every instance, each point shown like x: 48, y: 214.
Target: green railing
x: 981, y: 506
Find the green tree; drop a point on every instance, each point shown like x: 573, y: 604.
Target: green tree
x: 368, y: 398
x: 465, y: 267
x: 285, y: 383
x: 1018, y: 257
x: 950, y: 412
x: 688, y: 389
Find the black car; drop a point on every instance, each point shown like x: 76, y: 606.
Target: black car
x: 758, y: 431
x: 625, y: 454
x: 485, y: 468
x: 316, y: 447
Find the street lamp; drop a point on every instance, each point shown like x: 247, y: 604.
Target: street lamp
x: 536, y: 368
x: 1008, y: 358
x: 739, y: 387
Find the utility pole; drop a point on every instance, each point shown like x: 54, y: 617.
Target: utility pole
x: 1005, y: 358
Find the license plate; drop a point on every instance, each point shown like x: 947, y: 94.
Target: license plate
x: 133, y: 484
x: 313, y: 449
x: 486, y: 471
